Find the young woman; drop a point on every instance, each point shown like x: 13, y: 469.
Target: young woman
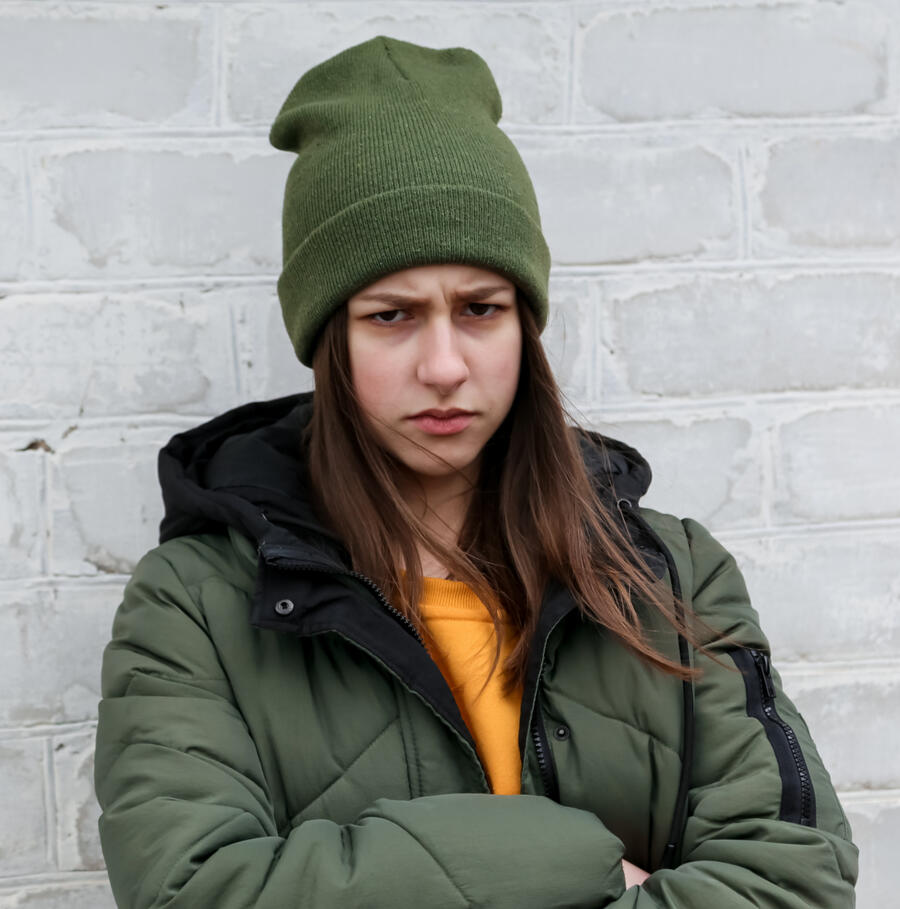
x: 410, y: 639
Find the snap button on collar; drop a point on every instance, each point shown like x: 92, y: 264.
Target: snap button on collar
x: 284, y: 607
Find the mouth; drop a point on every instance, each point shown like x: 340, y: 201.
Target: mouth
x: 443, y: 422
x: 443, y: 414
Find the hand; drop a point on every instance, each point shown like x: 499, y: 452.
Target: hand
x: 633, y: 875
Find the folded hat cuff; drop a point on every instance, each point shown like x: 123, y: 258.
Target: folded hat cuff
x: 403, y: 228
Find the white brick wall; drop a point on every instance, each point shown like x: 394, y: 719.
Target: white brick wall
x: 720, y: 188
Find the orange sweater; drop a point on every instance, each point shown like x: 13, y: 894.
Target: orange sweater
x: 464, y: 635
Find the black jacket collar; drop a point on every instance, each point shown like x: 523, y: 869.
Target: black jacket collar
x: 246, y: 469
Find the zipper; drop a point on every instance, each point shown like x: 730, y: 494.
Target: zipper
x: 546, y: 764
x: 402, y: 619
x: 284, y: 561
x: 544, y: 754
x: 764, y: 669
x: 797, y: 798
x: 538, y: 732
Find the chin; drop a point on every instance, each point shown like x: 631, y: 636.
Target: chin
x: 436, y: 469
x: 421, y: 464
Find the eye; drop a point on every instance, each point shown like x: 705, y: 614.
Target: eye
x: 387, y: 317
x: 482, y: 309
x: 395, y: 316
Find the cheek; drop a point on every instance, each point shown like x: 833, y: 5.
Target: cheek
x: 374, y: 380
x: 503, y: 374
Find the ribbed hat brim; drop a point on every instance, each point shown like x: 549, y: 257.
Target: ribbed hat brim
x: 439, y: 224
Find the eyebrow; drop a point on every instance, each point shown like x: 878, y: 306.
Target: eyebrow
x: 478, y: 293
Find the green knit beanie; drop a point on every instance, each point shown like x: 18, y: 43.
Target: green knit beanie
x: 400, y: 163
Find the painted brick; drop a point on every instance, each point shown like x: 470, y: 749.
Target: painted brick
x: 13, y: 223
x: 570, y: 338
x: 706, y: 469
x: 674, y: 336
x: 64, y: 895
x: 876, y: 830
x: 839, y: 464
x: 268, y: 365
x: 116, y: 208
x: 23, y: 844
x: 267, y: 49
x: 141, y: 209
x: 826, y: 596
x: 105, y: 498
x: 73, y: 355
x: 828, y: 193
x: 853, y: 717
x: 22, y: 491
x: 77, y: 808
x: 613, y: 201
x: 105, y: 65
x: 51, y: 645
x: 752, y: 61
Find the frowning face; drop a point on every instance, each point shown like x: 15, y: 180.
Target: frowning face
x: 435, y: 353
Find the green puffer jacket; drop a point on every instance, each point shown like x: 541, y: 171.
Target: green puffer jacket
x: 271, y: 735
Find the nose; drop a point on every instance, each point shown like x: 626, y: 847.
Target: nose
x: 442, y: 364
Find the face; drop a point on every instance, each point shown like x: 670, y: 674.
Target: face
x: 434, y: 356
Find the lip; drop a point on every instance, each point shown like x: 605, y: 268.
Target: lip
x: 442, y: 414
x: 443, y: 422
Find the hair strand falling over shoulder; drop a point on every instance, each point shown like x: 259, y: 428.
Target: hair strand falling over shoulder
x: 532, y: 517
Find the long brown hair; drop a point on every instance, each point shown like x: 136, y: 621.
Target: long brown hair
x: 532, y: 517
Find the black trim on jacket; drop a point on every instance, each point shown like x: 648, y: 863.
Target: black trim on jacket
x: 798, y: 798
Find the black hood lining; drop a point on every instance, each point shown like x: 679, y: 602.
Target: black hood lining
x: 246, y: 469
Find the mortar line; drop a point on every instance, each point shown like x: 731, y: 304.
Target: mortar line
x: 863, y: 796
x: 47, y: 582
x: 767, y: 474
x: 738, y: 404
x: 683, y: 128
x: 651, y: 268
x: 27, y: 190
x: 47, y: 512
x: 569, y: 106
x: 13, y: 882
x: 888, y: 665
x: 51, y: 818
x: 826, y: 528
x: 218, y: 76
x: 47, y: 730
x: 602, y: 356
x: 745, y: 226
x: 239, y: 385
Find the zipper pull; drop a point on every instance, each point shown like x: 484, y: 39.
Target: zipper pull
x: 764, y: 668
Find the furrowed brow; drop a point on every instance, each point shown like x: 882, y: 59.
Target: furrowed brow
x: 475, y: 294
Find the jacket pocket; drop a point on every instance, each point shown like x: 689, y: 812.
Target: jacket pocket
x: 798, y: 800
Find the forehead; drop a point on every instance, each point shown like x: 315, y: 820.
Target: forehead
x: 427, y: 281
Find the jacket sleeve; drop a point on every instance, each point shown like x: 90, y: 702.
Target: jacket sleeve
x: 757, y: 834
x: 187, y: 820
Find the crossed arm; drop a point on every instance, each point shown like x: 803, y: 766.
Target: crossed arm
x: 188, y: 820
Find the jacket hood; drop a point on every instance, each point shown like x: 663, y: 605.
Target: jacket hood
x: 246, y: 469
